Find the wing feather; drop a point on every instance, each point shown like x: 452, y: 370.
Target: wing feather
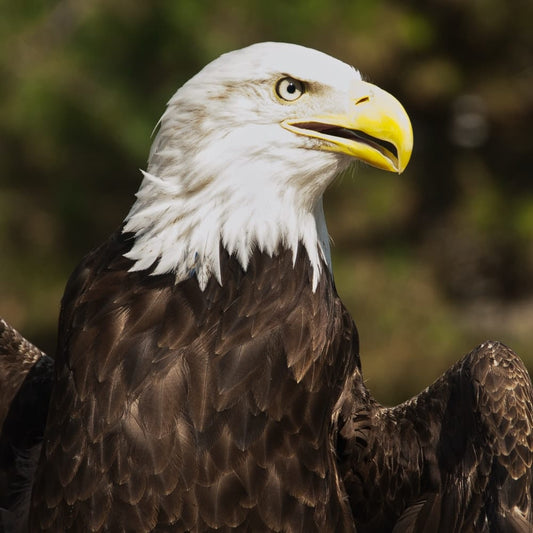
x: 455, y: 458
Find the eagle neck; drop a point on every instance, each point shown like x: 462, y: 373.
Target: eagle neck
x: 183, y: 231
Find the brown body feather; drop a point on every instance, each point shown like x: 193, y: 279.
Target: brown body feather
x: 243, y: 407
x: 177, y: 409
x: 143, y: 434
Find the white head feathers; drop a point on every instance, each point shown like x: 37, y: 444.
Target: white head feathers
x: 222, y: 169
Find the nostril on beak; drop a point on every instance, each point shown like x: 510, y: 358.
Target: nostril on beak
x: 362, y: 100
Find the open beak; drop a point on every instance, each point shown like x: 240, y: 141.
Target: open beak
x: 375, y: 129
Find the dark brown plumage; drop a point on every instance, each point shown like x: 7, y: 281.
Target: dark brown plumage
x: 457, y: 457
x: 26, y: 378
x: 17, y: 357
x: 184, y: 409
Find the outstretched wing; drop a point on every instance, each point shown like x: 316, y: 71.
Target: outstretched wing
x: 26, y: 376
x: 455, y: 458
x: 17, y: 357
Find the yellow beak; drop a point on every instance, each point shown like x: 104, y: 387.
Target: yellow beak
x: 375, y: 129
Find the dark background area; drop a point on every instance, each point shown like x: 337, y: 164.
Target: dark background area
x: 430, y: 263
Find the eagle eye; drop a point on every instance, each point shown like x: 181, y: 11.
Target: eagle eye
x: 289, y: 89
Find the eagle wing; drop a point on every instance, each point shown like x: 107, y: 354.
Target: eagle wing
x: 17, y: 357
x: 26, y: 377
x: 457, y: 457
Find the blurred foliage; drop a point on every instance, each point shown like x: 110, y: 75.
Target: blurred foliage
x: 430, y: 263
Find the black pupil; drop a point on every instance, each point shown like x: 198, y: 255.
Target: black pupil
x: 291, y: 88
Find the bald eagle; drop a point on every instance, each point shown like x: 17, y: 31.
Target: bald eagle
x: 207, y: 375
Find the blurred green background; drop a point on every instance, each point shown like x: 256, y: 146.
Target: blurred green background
x: 430, y: 263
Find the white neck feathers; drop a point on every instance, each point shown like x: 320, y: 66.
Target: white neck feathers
x: 182, y: 233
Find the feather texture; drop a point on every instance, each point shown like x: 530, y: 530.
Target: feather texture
x: 180, y: 408
x: 26, y: 376
x: 457, y: 457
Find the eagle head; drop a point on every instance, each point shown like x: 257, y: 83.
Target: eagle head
x: 245, y: 151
